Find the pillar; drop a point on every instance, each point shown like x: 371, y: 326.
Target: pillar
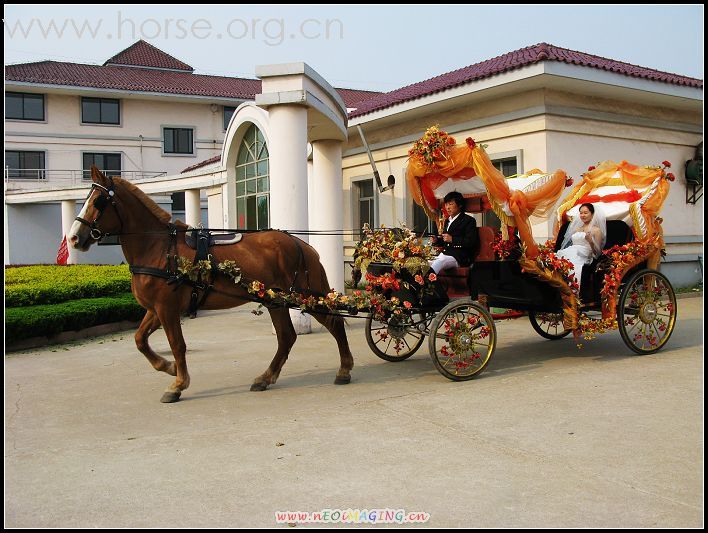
x: 287, y: 149
x: 192, y: 207
x: 326, y: 213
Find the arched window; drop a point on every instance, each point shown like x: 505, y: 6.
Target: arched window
x: 252, y: 182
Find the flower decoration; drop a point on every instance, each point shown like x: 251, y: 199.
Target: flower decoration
x: 432, y: 147
x: 399, y: 246
x: 617, y: 261
x: 568, y: 181
x: 504, y: 248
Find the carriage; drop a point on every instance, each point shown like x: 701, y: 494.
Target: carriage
x: 622, y: 289
x: 176, y: 269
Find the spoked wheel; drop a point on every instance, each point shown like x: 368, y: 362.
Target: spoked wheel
x: 462, y: 340
x: 396, y: 339
x: 646, y: 314
x: 548, y: 325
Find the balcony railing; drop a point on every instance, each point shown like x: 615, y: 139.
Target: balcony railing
x: 34, y: 178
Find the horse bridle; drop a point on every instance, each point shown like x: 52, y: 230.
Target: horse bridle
x: 100, y: 203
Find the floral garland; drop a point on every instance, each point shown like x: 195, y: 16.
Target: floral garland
x: 368, y: 300
x: 433, y: 146
x: 557, y: 272
x: 618, y: 260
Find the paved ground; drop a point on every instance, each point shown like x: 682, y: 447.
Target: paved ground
x: 549, y: 435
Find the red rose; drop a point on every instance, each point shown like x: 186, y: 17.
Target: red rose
x: 470, y: 142
x: 432, y: 277
x: 450, y: 141
x: 591, y: 168
x: 568, y: 182
x: 666, y: 164
x: 670, y: 176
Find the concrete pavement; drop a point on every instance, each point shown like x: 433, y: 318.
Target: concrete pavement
x: 548, y: 436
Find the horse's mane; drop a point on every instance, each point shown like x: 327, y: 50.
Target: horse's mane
x: 162, y: 215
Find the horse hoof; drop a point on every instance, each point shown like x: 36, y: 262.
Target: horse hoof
x: 170, y: 397
x: 257, y: 387
x: 342, y: 380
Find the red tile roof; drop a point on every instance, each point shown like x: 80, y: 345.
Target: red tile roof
x: 513, y: 60
x: 148, y: 80
x: 202, y: 164
x: 142, y: 54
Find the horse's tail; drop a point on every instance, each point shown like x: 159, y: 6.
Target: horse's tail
x: 318, y: 278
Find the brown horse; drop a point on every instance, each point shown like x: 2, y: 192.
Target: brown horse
x: 117, y: 207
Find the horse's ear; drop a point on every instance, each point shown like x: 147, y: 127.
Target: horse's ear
x: 98, y: 177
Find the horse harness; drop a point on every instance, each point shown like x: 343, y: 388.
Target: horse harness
x: 199, y: 239
x: 202, y: 240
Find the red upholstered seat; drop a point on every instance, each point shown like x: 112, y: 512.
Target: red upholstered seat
x: 486, y: 239
x: 455, y: 279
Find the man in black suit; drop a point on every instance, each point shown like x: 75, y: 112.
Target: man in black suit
x: 460, y: 238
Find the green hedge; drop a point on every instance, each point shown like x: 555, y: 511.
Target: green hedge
x: 51, y: 284
x: 44, y: 320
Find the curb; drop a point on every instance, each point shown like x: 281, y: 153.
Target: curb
x: 68, y: 336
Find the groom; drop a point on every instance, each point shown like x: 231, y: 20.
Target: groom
x: 459, y: 239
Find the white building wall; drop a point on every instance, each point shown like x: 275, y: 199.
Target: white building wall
x: 64, y: 138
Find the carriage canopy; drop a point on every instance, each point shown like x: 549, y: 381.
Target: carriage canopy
x: 438, y: 165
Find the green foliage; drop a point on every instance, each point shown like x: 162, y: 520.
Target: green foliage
x: 50, y: 284
x: 44, y: 300
x: 44, y: 320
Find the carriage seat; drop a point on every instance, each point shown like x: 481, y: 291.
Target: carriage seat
x: 456, y: 280
x: 618, y: 234
x: 193, y: 235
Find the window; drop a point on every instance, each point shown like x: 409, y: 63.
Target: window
x: 508, y: 167
x: 177, y: 201
x: 23, y: 106
x: 421, y: 223
x: 364, y: 205
x: 24, y: 165
x: 252, y: 181
x: 109, y: 164
x: 100, y: 111
x: 228, y: 113
x: 178, y: 140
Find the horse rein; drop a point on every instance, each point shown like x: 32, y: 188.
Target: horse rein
x: 100, y: 203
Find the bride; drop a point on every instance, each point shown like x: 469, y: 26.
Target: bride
x: 584, y: 238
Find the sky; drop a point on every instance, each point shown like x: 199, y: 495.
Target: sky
x: 379, y: 48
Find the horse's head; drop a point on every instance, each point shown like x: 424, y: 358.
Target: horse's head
x: 99, y: 216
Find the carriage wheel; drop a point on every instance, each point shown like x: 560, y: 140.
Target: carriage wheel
x: 548, y: 325
x: 462, y: 340
x: 647, y: 311
x: 394, y: 340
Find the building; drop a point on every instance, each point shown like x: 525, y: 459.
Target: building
x: 540, y: 107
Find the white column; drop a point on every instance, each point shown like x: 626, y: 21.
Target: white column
x: 192, y: 207
x: 287, y: 149
x: 326, y: 213
x: 68, y: 214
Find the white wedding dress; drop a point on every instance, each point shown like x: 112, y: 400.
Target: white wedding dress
x: 579, y: 253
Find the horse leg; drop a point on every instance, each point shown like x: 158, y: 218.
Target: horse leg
x: 285, y: 332
x: 169, y: 318
x: 335, y: 325
x: 149, y: 325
